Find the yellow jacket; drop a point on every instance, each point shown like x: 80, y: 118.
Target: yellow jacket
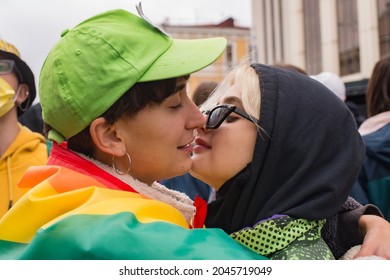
x: 28, y: 149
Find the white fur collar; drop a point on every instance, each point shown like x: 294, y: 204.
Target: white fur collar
x: 155, y: 191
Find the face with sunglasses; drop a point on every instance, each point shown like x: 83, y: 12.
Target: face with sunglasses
x: 226, y: 144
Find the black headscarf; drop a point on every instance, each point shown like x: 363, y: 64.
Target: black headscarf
x: 304, y: 164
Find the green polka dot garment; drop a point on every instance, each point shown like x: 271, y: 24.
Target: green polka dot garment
x: 286, y: 238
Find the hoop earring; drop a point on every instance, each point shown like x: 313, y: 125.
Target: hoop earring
x: 20, y: 106
x: 25, y: 108
x: 119, y: 172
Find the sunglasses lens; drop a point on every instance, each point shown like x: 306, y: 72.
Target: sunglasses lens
x: 216, y: 116
x: 6, y: 66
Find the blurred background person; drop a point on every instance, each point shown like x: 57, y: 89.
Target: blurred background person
x: 20, y: 148
x: 373, y: 185
x: 290, y: 67
x: 333, y: 82
x: 203, y: 91
x: 32, y: 118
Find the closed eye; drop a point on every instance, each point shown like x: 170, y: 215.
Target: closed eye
x: 178, y: 106
x: 232, y: 118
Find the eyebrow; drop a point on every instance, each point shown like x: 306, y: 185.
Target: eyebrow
x: 180, y: 86
x: 181, y: 83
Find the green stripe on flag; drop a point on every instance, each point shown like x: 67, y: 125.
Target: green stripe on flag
x: 122, y: 236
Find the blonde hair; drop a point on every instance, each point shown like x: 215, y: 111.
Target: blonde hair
x: 246, y: 79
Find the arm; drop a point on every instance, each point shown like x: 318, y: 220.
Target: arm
x: 344, y: 230
x: 376, y: 232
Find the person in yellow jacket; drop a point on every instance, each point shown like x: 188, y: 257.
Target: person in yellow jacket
x: 20, y: 148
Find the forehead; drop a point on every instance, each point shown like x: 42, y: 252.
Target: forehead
x: 231, y: 95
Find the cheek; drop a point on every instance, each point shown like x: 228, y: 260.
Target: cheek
x: 11, y: 80
x: 232, y: 155
x: 235, y: 150
x: 142, y: 144
x: 231, y: 151
x: 154, y: 142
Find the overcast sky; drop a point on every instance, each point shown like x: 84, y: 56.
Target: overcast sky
x: 34, y: 26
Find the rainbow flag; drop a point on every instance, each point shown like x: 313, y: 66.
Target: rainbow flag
x: 70, y: 215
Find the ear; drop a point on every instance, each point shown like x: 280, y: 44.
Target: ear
x: 104, y: 135
x: 22, y: 94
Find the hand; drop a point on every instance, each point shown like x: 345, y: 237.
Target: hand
x: 376, y: 241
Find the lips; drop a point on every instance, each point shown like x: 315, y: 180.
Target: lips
x: 186, y: 145
x: 201, y: 142
x: 188, y: 148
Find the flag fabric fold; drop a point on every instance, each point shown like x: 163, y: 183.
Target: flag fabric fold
x: 68, y: 214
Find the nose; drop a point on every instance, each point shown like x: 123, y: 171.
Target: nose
x: 201, y: 130
x: 197, y: 119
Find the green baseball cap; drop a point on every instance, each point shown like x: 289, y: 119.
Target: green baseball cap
x: 97, y: 61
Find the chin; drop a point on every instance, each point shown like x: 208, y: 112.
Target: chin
x: 183, y: 168
x: 201, y: 178
x: 195, y: 172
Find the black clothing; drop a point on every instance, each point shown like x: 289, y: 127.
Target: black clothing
x: 305, y: 161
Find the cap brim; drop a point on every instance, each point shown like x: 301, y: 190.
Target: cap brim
x: 185, y: 57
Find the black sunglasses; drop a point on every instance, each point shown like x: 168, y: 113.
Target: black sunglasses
x: 217, y: 115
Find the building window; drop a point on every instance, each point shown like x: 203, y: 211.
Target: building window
x: 311, y: 17
x: 348, y: 37
x: 384, y: 27
x: 229, y: 55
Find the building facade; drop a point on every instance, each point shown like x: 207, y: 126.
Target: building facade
x: 346, y: 37
x: 238, y: 47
